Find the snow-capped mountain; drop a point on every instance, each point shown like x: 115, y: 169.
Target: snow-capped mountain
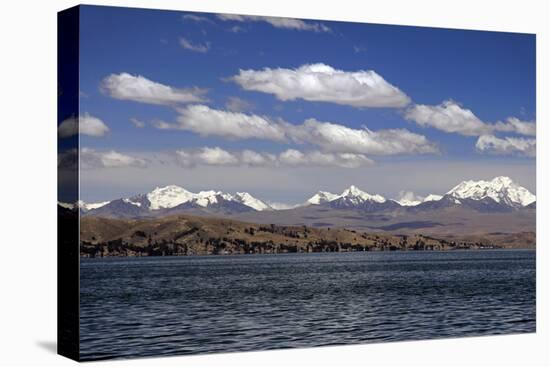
x: 497, y: 195
x: 407, y: 202
x: 174, y: 199
x: 90, y: 206
x: 408, y: 198
x: 352, y: 198
x: 500, y: 194
x: 321, y: 197
x: 168, y: 197
x: 83, y: 206
x: 249, y: 200
x: 412, y: 200
x: 500, y: 189
x: 432, y: 197
x: 172, y: 196
x: 355, y: 195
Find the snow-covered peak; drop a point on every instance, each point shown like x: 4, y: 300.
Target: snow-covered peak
x: 249, y: 200
x: 208, y: 193
x: 65, y: 205
x: 82, y: 205
x: 322, y: 197
x: 408, y: 198
x: 407, y: 202
x: 168, y: 197
x: 501, y: 189
x: 502, y: 181
x: 172, y: 196
x: 89, y: 206
x: 432, y: 197
x: 352, y: 195
x: 355, y: 194
x: 205, y: 198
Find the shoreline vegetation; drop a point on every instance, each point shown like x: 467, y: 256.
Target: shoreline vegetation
x: 185, y: 235
x: 170, y: 250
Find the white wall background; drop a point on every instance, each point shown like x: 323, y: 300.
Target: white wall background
x: 28, y: 182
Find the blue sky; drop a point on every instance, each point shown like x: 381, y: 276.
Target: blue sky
x: 460, y: 85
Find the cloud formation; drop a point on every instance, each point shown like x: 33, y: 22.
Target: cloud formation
x: 86, y: 124
x: 236, y: 104
x: 517, y: 126
x: 508, y: 145
x: 91, y: 159
x: 206, y: 121
x: 293, y: 157
x: 330, y: 137
x: 450, y: 117
x: 137, y: 88
x: 339, y: 138
x: 323, y: 83
x: 195, y: 47
x: 278, y: 22
x: 137, y: 122
x: 216, y: 156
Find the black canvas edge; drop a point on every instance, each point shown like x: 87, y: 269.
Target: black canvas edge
x: 68, y: 261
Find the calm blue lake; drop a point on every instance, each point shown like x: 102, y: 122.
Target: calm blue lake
x: 182, y: 305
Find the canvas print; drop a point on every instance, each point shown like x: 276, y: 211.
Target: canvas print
x: 239, y: 183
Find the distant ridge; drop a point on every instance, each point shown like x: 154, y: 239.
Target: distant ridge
x: 497, y: 195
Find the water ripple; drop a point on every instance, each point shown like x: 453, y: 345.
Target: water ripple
x: 185, y: 305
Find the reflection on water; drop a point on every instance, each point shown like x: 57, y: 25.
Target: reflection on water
x: 183, y: 305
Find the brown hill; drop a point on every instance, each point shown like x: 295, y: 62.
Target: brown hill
x: 193, y: 235
x: 455, y: 221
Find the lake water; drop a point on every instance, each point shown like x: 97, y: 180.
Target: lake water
x: 183, y: 305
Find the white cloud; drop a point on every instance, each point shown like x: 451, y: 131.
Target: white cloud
x: 137, y: 88
x: 450, y: 117
x: 330, y: 137
x: 340, y: 138
x: 236, y: 104
x: 90, y: 159
x: 252, y: 158
x: 137, y: 123
x: 517, y: 126
x: 293, y: 157
x: 86, y: 123
x: 508, y: 145
x: 195, y: 47
x: 206, y: 121
x: 217, y: 156
x: 322, y: 83
x: 278, y: 22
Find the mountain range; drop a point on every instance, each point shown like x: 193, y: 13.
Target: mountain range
x: 500, y: 194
